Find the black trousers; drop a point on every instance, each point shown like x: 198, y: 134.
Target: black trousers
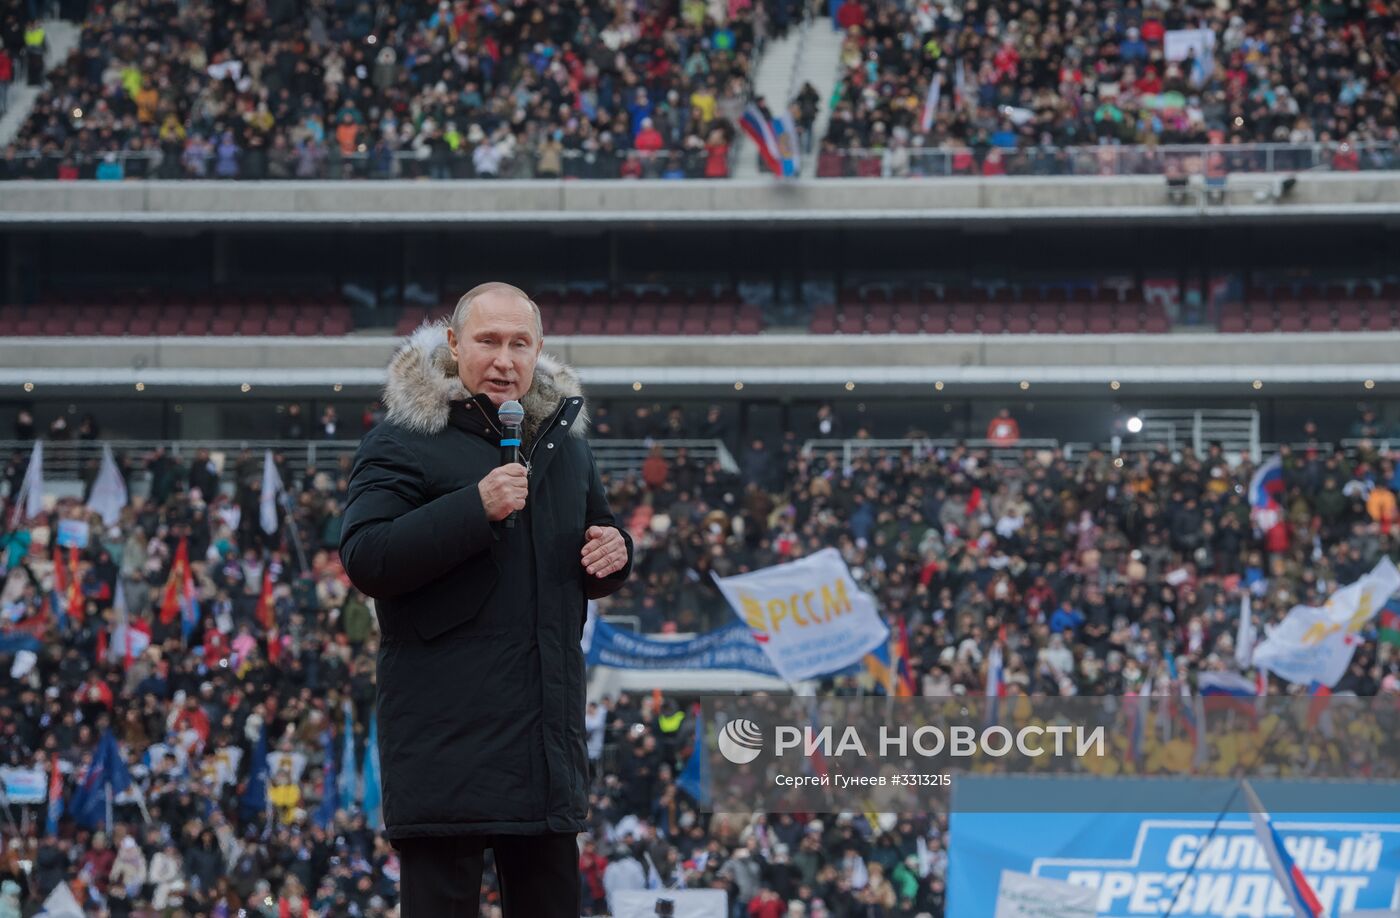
x: 441, y: 877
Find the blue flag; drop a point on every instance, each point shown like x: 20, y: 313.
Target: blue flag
x: 348, y: 772
x: 254, y: 798
x: 695, y: 777
x: 325, y: 813
x: 107, y: 769
x: 374, y: 799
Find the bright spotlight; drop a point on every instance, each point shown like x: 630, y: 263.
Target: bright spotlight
x: 1134, y: 424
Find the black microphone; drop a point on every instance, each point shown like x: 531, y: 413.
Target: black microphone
x: 511, y: 415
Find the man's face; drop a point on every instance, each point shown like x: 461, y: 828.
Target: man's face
x: 497, y: 348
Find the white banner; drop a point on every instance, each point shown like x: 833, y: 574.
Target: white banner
x: 1021, y: 895
x: 1179, y: 44
x: 1316, y: 644
x: 25, y: 785
x: 808, y: 615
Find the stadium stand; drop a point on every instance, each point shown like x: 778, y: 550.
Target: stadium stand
x: 1086, y: 567
x: 1025, y: 77
x: 167, y: 315
x: 875, y: 309
x: 599, y: 90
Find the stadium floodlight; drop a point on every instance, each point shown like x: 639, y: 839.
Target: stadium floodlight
x: 1134, y: 424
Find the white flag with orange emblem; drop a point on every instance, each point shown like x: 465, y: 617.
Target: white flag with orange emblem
x: 808, y: 615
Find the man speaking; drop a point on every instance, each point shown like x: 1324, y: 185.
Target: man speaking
x: 481, y: 679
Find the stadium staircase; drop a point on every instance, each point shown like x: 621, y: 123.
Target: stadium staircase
x: 808, y: 54
x: 821, y: 61
x: 63, y: 38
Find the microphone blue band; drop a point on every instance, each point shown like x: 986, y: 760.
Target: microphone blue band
x: 515, y: 442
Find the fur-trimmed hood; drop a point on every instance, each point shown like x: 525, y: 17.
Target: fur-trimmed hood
x: 423, y: 383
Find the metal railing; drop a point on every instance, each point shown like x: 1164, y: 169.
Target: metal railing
x: 326, y: 161
x: 1168, y: 160
x: 922, y: 448
x: 623, y: 456
x: 72, y: 460
x: 1236, y: 430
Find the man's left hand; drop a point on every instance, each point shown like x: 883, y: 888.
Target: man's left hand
x: 604, y: 551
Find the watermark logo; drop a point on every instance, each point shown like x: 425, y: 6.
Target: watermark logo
x: 740, y: 741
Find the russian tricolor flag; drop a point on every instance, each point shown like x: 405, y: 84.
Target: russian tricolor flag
x: 1302, y: 901
x: 1267, y: 484
x: 996, y: 684
x: 760, y: 131
x: 1234, y: 685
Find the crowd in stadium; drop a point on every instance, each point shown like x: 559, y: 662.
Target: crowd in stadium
x: 1043, y: 76
x: 574, y: 89
x: 439, y: 89
x: 1086, y: 572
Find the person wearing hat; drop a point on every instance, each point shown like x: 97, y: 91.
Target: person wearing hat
x: 481, y: 571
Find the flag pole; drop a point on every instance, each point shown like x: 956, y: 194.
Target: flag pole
x: 20, y: 498
x: 108, y: 785
x: 291, y: 525
x: 5, y: 804
x: 1215, y: 826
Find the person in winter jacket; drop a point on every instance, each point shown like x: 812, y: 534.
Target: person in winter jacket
x: 480, y: 673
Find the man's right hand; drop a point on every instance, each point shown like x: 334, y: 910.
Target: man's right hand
x: 504, y: 490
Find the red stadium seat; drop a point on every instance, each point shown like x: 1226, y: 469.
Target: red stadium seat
x: 336, y: 324
x: 1379, y: 318
x: 1260, y: 321
x: 1156, y: 323
x: 696, y: 322
x: 277, y: 325
x: 1319, y: 320
x: 1232, y: 323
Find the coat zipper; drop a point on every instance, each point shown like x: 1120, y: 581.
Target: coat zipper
x: 544, y: 429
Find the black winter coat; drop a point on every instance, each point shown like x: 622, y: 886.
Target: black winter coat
x: 481, y: 677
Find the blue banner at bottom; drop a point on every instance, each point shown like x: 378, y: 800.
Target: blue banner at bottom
x: 1171, y: 864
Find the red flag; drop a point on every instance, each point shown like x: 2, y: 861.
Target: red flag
x: 171, y: 594
x: 265, y: 612
x: 75, y: 587
x: 274, y: 646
